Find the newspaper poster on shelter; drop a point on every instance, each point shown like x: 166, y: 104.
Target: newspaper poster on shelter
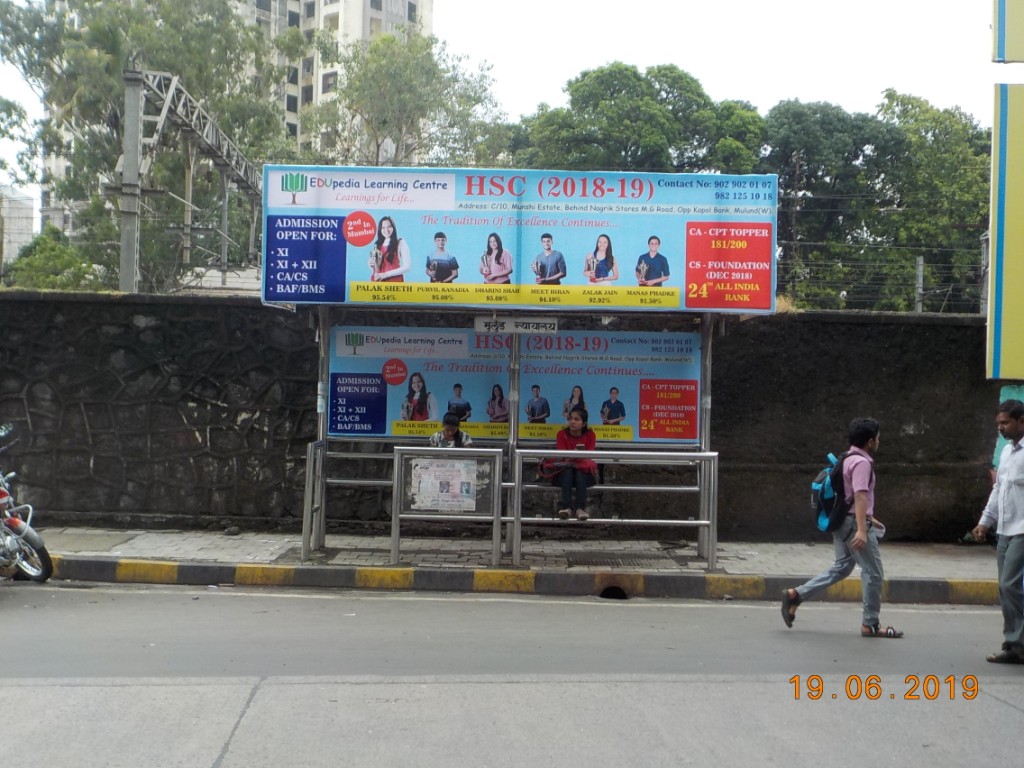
x: 443, y: 484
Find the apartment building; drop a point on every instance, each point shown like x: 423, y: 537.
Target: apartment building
x: 15, y: 223
x: 308, y: 81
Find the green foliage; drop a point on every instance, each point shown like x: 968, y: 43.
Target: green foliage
x: 403, y: 99
x: 734, y: 134
x: 863, y: 198
x: 51, y: 262
x: 832, y: 176
x: 614, y: 121
x: 660, y: 120
x: 220, y: 60
x: 12, y: 126
x: 940, y: 198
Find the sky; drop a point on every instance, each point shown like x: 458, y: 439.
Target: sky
x: 761, y: 51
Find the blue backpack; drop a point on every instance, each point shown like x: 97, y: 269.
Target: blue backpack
x: 828, y: 495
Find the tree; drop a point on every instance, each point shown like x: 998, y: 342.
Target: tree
x: 862, y: 197
x: 75, y: 59
x: 13, y: 126
x: 660, y: 120
x: 614, y: 121
x: 939, y: 200
x: 50, y: 262
x: 833, y: 170
x: 401, y: 99
x: 734, y: 138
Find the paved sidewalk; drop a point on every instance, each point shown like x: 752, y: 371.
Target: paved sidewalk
x: 931, y: 573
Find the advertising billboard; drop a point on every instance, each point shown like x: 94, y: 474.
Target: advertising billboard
x: 1004, y: 350
x: 533, y: 240
x: 399, y: 382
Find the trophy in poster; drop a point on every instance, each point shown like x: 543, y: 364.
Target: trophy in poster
x: 538, y: 269
x: 590, y: 266
x: 485, y: 266
x: 406, y: 413
x: 376, y: 260
x: 605, y: 410
x: 432, y: 270
x: 641, y: 271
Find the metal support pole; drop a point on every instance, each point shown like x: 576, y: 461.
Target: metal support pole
x: 186, y: 234
x: 252, y: 257
x: 224, y: 228
x: 323, y: 330
x: 919, y: 286
x: 131, y: 189
x: 516, y: 461
x: 707, y: 502
x: 314, y: 519
x: 983, y: 302
x: 712, y: 512
x: 515, y: 386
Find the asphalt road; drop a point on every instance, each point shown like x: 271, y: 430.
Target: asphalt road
x: 132, y: 676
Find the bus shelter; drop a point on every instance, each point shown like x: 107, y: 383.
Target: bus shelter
x: 498, y: 295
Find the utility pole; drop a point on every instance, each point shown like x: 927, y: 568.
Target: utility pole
x: 131, y: 190
x: 174, y: 107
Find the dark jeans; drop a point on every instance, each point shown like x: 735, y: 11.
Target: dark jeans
x: 570, y: 478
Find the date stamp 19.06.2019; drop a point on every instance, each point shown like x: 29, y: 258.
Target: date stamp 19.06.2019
x: 873, y: 688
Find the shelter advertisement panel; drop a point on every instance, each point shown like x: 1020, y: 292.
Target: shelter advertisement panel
x: 1007, y: 31
x: 497, y: 239
x: 1005, y: 352
x: 399, y: 382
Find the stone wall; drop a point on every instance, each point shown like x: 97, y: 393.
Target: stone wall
x: 157, y: 410
x: 785, y: 387
x: 186, y: 411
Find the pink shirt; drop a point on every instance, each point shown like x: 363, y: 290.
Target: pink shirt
x: 859, y: 475
x: 498, y: 273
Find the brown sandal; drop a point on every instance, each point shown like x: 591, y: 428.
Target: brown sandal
x: 789, y: 606
x: 875, y: 630
x: 1006, y: 657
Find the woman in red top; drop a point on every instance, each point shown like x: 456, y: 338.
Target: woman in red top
x: 389, y: 259
x: 578, y: 474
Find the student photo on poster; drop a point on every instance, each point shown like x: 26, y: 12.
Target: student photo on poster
x: 599, y: 265
x: 652, y: 267
x: 419, y: 404
x: 442, y: 267
x: 612, y: 410
x: 497, y: 406
x: 389, y: 257
x: 496, y: 262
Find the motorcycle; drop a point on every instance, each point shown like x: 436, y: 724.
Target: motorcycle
x: 21, y: 547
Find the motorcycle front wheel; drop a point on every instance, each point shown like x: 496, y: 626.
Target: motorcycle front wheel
x: 34, y: 564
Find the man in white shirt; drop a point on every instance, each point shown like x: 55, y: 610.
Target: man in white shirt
x: 1005, y: 510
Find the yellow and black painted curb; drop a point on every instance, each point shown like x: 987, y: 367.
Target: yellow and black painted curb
x: 696, y: 586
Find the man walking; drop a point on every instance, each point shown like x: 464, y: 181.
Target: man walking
x: 1005, y: 510
x: 856, y: 540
